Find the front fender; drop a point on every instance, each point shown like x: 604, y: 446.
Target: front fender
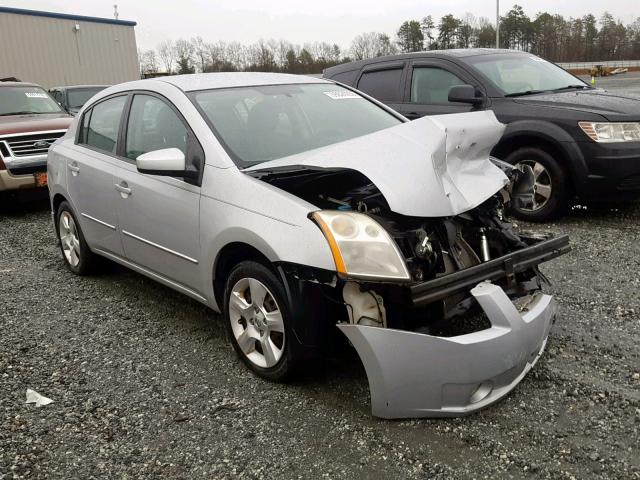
x: 548, y: 132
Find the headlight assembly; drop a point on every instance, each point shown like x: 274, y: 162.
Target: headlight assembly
x: 602, y: 132
x: 361, y: 248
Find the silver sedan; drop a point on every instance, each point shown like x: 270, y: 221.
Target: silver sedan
x: 301, y: 209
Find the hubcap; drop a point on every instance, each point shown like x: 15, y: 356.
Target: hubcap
x: 256, y: 322
x: 542, y: 187
x: 69, y: 239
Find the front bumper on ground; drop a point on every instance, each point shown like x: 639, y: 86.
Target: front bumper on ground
x: 416, y: 375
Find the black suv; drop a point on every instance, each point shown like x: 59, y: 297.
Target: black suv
x: 580, y: 141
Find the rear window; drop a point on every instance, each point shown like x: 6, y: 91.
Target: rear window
x: 26, y: 100
x: 262, y: 123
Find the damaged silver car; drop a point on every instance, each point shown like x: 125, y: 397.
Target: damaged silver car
x: 301, y: 209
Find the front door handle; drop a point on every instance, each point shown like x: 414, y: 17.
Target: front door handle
x: 124, y: 189
x: 75, y: 170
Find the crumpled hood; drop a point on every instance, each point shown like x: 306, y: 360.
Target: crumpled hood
x: 432, y: 167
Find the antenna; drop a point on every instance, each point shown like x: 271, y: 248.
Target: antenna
x: 115, y: 12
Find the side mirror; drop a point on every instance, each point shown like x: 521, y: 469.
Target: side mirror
x: 168, y: 162
x: 465, y: 94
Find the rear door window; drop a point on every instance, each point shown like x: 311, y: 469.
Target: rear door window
x: 384, y: 85
x: 103, y: 124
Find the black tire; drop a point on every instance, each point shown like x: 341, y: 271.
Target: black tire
x: 558, y: 201
x: 290, y: 357
x: 87, y: 260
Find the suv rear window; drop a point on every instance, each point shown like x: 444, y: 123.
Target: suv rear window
x: 383, y: 85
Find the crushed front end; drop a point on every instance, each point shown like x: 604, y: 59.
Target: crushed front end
x: 441, y: 298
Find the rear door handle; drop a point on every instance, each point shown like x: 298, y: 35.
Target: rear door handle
x: 75, y: 170
x: 124, y: 189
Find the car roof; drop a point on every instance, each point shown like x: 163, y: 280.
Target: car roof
x: 454, y: 52
x: 207, y: 81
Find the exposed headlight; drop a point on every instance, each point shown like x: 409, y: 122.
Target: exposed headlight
x: 361, y: 248
x: 611, y: 132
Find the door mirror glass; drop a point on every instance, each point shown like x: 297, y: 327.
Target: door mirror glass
x: 465, y: 94
x: 168, y: 162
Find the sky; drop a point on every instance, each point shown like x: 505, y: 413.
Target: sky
x: 301, y: 21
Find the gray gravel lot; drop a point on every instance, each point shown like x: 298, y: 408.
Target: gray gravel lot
x: 145, y: 385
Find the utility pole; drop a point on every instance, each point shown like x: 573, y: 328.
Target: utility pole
x: 497, y: 23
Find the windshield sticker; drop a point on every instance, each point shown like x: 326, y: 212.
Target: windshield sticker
x: 341, y: 95
x: 35, y: 95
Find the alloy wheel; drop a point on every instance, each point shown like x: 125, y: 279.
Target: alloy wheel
x: 69, y: 238
x: 542, y: 187
x: 256, y: 322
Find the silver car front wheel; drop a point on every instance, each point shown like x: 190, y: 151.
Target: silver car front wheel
x: 256, y: 322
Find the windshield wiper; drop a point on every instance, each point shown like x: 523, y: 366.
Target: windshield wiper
x: 18, y: 113
x: 528, y: 92
x: 569, y: 87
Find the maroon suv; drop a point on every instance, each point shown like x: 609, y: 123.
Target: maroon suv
x: 30, y: 121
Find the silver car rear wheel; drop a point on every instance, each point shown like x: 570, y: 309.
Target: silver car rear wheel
x: 69, y: 239
x: 256, y: 322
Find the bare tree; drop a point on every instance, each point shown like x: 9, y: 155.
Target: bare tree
x: 184, y: 53
x: 148, y: 62
x: 167, y: 55
x: 237, y: 55
x: 201, y: 52
x: 372, y: 44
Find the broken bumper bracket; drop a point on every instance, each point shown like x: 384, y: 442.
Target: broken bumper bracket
x: 417, y: 375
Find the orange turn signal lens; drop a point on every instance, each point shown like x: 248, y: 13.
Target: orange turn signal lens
x: 333, y: 245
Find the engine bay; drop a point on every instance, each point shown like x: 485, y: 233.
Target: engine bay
x: 432, y: 247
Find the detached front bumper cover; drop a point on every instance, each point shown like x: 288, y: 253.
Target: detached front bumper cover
x: 416, y: 375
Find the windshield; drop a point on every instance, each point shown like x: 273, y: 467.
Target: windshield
x: 521, y: 74
x: 257, y: 124
x: 22, y: 100
x: 77, y: 97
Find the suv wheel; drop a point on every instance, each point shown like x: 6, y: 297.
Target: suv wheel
x: 257, y: 320
x: 75, y: 251
x: 550, y: 199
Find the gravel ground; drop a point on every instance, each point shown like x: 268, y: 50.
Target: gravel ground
x: 145, y: 385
